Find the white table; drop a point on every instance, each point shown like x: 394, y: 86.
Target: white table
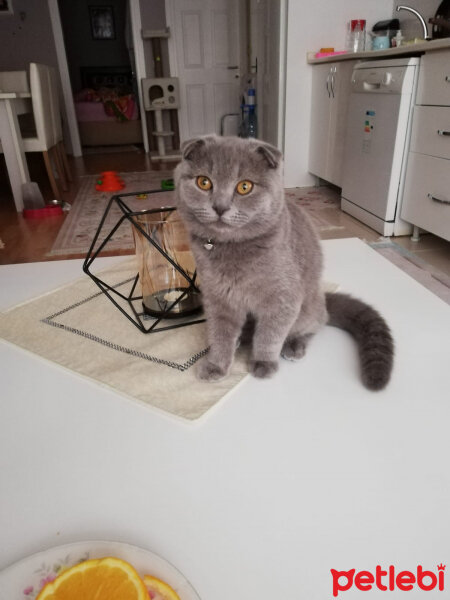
x: 283, y: 481
x: 11, y: 105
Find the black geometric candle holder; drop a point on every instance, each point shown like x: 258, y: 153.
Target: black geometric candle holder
x: 172, y: 306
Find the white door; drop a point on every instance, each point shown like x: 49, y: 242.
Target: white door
x: 205, y: 54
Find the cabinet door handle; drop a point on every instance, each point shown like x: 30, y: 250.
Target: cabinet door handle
x: 333, y: 79
x: 431, y: 197
x: 447, y: 79
x: 328, y: 85
x: 443, y: 132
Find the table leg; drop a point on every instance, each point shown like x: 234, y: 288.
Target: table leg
x: 13, y: 150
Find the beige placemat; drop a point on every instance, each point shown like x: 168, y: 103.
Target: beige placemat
x: 78, y: 327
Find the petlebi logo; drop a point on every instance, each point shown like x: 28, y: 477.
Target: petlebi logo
x: 389, y: 579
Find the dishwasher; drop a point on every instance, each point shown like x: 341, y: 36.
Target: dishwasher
x: 376, y: 146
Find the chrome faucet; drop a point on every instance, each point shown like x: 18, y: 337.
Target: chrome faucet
x: 421, y: 19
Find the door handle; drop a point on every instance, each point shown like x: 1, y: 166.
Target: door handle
x: 369, y: 86
x: 333, y: 79
x: 328, y: 84
x: 431, y: 197
x: 233, y: 67
x: 443, y: 132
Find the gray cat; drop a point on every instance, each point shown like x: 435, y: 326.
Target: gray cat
x: 260, y: 263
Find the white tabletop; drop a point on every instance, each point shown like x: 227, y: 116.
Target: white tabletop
x: 283, y: 481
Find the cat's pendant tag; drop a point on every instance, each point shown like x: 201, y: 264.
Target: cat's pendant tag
x: 208, y: 245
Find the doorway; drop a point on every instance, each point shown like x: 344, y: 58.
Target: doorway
x: 100, y: 61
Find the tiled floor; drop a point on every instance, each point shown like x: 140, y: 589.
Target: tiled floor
x: 430, y: 248
x: 28, y: 241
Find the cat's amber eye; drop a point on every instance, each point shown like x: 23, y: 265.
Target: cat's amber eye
x: 244, y: 187
x: 204, y: 183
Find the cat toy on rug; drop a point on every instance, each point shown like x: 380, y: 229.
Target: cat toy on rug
x: 253, y: 246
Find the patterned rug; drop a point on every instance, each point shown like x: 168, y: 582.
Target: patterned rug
x: 78, y: 230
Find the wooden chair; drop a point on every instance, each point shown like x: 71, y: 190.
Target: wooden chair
x: 57, y: 125
x: 47, y: 119
x: 45, y: 133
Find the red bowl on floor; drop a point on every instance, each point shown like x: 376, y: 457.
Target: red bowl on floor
x: 42, y: 213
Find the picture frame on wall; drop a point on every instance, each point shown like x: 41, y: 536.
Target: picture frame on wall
x: 102, y: 22
x: 6, y: 7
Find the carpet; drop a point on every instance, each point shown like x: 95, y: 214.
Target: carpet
x: 317, y: 201
x: 78, y: 229
x: 81, y: 223
x: 78, y: 328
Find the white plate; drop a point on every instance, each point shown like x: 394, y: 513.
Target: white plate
x: 24, y: 579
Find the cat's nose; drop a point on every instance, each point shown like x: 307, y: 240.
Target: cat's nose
x: 220, y: 209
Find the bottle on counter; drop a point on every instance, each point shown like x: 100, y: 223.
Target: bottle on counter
x: 396, y: 41
x: 356, y: 35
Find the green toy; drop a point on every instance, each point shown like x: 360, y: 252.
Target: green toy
x: 168, y: 184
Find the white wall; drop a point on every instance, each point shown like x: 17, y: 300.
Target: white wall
x: 312, y: 25
x: 25, y: 36
x: 409, y: 24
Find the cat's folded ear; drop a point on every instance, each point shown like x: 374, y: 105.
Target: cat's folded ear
x: 271, y: 154
x: 191, y: 148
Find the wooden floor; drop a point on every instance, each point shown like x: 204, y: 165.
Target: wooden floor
x: 28, y: 240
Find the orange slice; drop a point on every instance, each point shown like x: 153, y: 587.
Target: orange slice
x: 159, y: 590
x: 97, y: 579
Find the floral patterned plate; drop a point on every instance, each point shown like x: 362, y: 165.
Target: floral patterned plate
x: 24, y: 579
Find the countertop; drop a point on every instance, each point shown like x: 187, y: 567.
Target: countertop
x: 409, y: 50
x: 283, y: 481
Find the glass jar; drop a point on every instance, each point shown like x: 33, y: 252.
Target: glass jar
x: 166, y: 266
x: 356, y: 35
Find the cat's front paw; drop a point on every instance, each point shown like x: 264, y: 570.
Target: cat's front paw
x: 207, y: 371
x: 263, y: 368
x: 294, y: 348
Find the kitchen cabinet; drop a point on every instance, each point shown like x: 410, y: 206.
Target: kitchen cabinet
x: 426, y: 202
x: 331, y: 84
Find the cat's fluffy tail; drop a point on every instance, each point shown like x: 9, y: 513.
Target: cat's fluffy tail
x: 374, y: 339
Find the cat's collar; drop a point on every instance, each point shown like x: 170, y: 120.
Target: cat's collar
x: 207, y: 242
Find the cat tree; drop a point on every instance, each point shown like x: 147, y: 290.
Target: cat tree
x: 161, y: 95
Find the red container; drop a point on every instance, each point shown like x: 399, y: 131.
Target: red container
x: 42, y: 213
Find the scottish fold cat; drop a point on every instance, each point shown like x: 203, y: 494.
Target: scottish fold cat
x: 259, y: 262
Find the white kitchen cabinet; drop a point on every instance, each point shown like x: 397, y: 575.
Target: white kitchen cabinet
x: 331, y: 84
x: 426, y: 202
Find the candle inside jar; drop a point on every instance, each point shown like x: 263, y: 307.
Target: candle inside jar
x: 173, y: 295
